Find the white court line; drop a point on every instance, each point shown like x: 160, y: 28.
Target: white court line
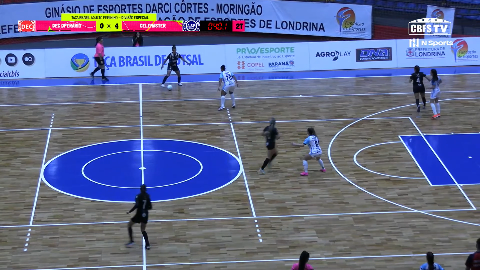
x: 269, y: 260
x: 142, y: 169
x: 236, y: 218
x: 441, y: 162
x: 375, y: 195
x: 371, y: 171
x: 245, y: 178
x: 201, y: 124
x: 38, y: 184
x: 414, y: 159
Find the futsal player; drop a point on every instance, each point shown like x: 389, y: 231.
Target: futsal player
x: 172, y: 59
x: 418, y: 87
x: 436, y: 81
x: 142, y: 205
x: 229, y: 84
x: 271, y: 135
x: 430, y: 264
x: 99, y: 58
x: 473, y: 260
x: 315, y: 151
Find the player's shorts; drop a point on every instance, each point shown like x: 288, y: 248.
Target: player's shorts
x: 138, y: 218
x: 100, y: 62
x: 314, y: 155
x: 228, y: 88
x: 435, y: 94
x: 270, y: 145
x: 419, y: 89
x: 173, y: 68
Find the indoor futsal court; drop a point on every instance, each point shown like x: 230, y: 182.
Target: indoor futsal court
x: 398, y: 184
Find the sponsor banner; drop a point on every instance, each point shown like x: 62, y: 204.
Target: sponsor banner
x: 264, y: 16
x: 22, y: 64
x: 133, y: 61
x: 447, y: 14
x: 352, y: 54
x: 267, y: 57
x: 462, y: 52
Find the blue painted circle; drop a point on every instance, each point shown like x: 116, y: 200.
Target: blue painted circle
x: 106, y: 168
x: 112, y: 171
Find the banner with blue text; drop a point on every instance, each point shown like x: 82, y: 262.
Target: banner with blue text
x: 265, y: 16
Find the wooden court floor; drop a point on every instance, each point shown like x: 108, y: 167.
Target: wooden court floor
x: 339, y: 224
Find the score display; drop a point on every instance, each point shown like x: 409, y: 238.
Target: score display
x: 80, y: 23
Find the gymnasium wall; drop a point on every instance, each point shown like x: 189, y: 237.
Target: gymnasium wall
x: 242, y: 58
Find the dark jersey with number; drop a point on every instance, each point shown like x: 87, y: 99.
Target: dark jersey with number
x: 271, y: 136
x: 417, y: 79
x: 143, y: 204
x: 473, y: 261
x: 173, y: 59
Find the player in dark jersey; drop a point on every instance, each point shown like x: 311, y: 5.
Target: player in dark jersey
x: 142, y: 205
x: 172, y: 59
x: 418, y: 86
x: 271, y: 135
x: 473, y: 260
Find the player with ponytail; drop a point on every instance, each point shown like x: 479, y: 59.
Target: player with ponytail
x: 430, y: 265
x: 271, y: 135
x: 302, y: 263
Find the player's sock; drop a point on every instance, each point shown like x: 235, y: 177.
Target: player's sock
x: 164, y: 79
x: 179, y: 79
x: 130, y: 233
x: 433, y: 108
x: 417, y: 101
x: 103, y: 72
x: 222, y: 102
x: 232, y: 96
x: 265, y: 163
x: 145, y: 236
x: 305, y: 166
x: 438, y: 107
x: 424, y: 101
x: 321, y: 163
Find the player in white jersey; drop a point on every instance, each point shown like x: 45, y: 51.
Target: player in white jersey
x: 229, y: 83
x: 315, y: 151
x: 436, y: 81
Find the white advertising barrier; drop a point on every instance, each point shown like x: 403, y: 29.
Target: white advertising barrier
x: 431, y: 53
x: 267, y: 57
x: 352, y: 54
x: 133, y: 61
x: 264, y: 16
x: 444, y: 13
x: 22, y: 64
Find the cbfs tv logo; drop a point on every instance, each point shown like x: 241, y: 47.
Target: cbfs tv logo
x: 430, y: 26
x: 347, y: 21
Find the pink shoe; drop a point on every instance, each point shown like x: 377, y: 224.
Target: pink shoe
x: 304, y: 174
x: 323, y: 170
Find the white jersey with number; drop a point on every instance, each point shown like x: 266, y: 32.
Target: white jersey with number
x: 436, y: 88
x: 227, y: 77
x: 313, y: 143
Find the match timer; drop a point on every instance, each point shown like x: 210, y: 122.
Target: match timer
x: 222, y: 26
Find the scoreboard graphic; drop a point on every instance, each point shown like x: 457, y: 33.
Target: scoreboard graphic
x: 89, y: 22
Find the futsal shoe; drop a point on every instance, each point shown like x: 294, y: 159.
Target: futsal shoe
x: 163, y: 85
x: 304, y: 174
x: 179, y: 84
x: 221, y: 108
x: 130, y: 244
x: 147, y: 247
x: 418, y: 108
x: 435, y: 116
x: 261, y: 171
x: 233, y: 107
x: 105, y: 79
x: 323, y: 170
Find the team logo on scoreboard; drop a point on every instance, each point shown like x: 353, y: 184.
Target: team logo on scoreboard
x: 80, y: 62
x: 191, y: 26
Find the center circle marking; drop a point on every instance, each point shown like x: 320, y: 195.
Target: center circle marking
x: 149, y: 186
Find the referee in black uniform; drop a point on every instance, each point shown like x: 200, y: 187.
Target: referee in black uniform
x: 142, y: 205
x: 172, y: 59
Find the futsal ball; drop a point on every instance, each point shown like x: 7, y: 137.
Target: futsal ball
x: 169, y: 87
